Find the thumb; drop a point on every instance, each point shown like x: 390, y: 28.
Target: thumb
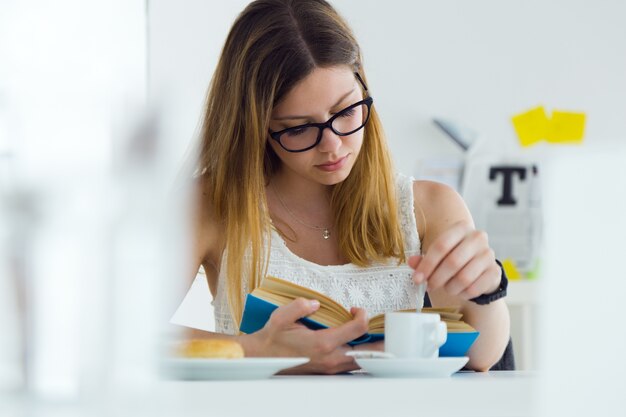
x: 414, y: 261
x: 290, y: 313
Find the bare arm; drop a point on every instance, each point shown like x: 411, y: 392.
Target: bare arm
x: 206, y: 249
x: 458, y: 264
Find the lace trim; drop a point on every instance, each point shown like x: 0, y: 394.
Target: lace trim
x: 406, y: 203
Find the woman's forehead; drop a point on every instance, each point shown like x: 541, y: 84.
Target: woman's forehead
x: 321, y: 89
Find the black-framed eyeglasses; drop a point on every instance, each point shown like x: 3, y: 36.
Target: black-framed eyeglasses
x: 343, y: 123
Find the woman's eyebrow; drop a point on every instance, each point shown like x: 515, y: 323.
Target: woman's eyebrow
x: 342, y: 98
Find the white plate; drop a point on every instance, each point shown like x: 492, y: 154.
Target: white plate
x: 409, y: 368
x: 221, y: 369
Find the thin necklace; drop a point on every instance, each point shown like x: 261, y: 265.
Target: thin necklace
x: 325, y: 231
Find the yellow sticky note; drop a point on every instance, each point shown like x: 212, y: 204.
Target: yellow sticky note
x: 510, y: 269
x: 531, y: 126
x: 566, y: 127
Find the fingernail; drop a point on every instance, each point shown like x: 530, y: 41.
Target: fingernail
x: 315, y: 304
x: 418, y: 277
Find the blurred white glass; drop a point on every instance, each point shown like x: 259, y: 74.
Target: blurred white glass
x: 97, y: 233
x: 150, y: 246
x: 102, y: 258
x: 11, y: 318
x: 582, y: 337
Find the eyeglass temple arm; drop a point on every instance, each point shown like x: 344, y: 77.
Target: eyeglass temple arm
x: 358, y: 77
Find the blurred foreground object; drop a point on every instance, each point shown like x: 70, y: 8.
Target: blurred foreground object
x: 150, y: 245
x: 582, y: 336
x: 12, y: 219
x: 98, y: 258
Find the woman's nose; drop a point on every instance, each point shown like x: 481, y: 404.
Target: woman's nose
x: 330, y: 141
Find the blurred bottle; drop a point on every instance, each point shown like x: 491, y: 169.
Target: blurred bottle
x: 64, y: 277
x: 11, y: 303
x: 98, y: 257
x: 14, y: 216
x: 149, y: 249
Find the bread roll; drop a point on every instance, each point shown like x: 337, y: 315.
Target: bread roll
x: 211, y: 348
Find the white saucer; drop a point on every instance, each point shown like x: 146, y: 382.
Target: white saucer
x: 410, y: 368
x: 222, y: 369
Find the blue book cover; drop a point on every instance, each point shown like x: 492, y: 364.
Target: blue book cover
x: 257, y: 312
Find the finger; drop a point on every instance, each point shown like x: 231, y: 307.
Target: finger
x: 348, y: 331
x: 484, y: 284
x: 466, y: 277
x: 458, y: 258
x: 347, y: 365
x: 414, y: 260
x: 339, y: 362
x: 335, y: 362
x: 447, y: 241
x: 288, y: 314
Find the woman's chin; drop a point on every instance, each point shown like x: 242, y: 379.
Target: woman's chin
x: 334, y: 177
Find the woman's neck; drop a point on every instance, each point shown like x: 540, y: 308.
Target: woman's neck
x: 301, y: 194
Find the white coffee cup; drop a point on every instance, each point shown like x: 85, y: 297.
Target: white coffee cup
x: 414, y: 335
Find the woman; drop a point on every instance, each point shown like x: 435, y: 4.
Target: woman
x: 297, y: 183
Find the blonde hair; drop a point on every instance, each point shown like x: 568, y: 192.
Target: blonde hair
x: 273, y: 45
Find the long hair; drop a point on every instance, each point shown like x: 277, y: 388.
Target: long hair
x: 273, y: 45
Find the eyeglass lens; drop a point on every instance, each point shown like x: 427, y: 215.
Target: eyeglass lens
x: 345, y: 122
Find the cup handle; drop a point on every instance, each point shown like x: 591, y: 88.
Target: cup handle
x: 442, y: 333
x: 437, y: 336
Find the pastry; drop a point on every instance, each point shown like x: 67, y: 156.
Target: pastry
x: 211, y: 348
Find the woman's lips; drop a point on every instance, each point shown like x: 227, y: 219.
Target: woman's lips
x: 333, y: 166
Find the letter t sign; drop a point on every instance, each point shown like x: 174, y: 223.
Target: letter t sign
x: 507, y: 182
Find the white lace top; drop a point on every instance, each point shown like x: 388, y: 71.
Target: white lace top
x: 378, y: 288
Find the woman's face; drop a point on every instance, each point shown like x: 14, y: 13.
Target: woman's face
x: 316, y: 99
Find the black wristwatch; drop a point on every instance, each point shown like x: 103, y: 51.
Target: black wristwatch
x: 497, y: 294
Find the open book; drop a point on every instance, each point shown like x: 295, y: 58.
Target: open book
x: 275, y: 292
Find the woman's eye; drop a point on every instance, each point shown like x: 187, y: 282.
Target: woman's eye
x: 296, y: 131
x: 347, y: 113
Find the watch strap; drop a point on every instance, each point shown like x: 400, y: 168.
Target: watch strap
x: 497, y: 294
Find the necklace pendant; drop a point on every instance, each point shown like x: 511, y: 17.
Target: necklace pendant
x: 326, y: 234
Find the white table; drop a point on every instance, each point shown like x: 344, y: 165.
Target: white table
x: 464, y: 394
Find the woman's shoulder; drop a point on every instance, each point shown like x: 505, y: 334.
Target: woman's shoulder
x: 437, y: 197
x: 437, y: 205
x: 425, y: 192
x: 431, y: 191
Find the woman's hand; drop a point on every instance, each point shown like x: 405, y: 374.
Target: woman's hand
x: 460, y: 262
x: 284, y: 336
